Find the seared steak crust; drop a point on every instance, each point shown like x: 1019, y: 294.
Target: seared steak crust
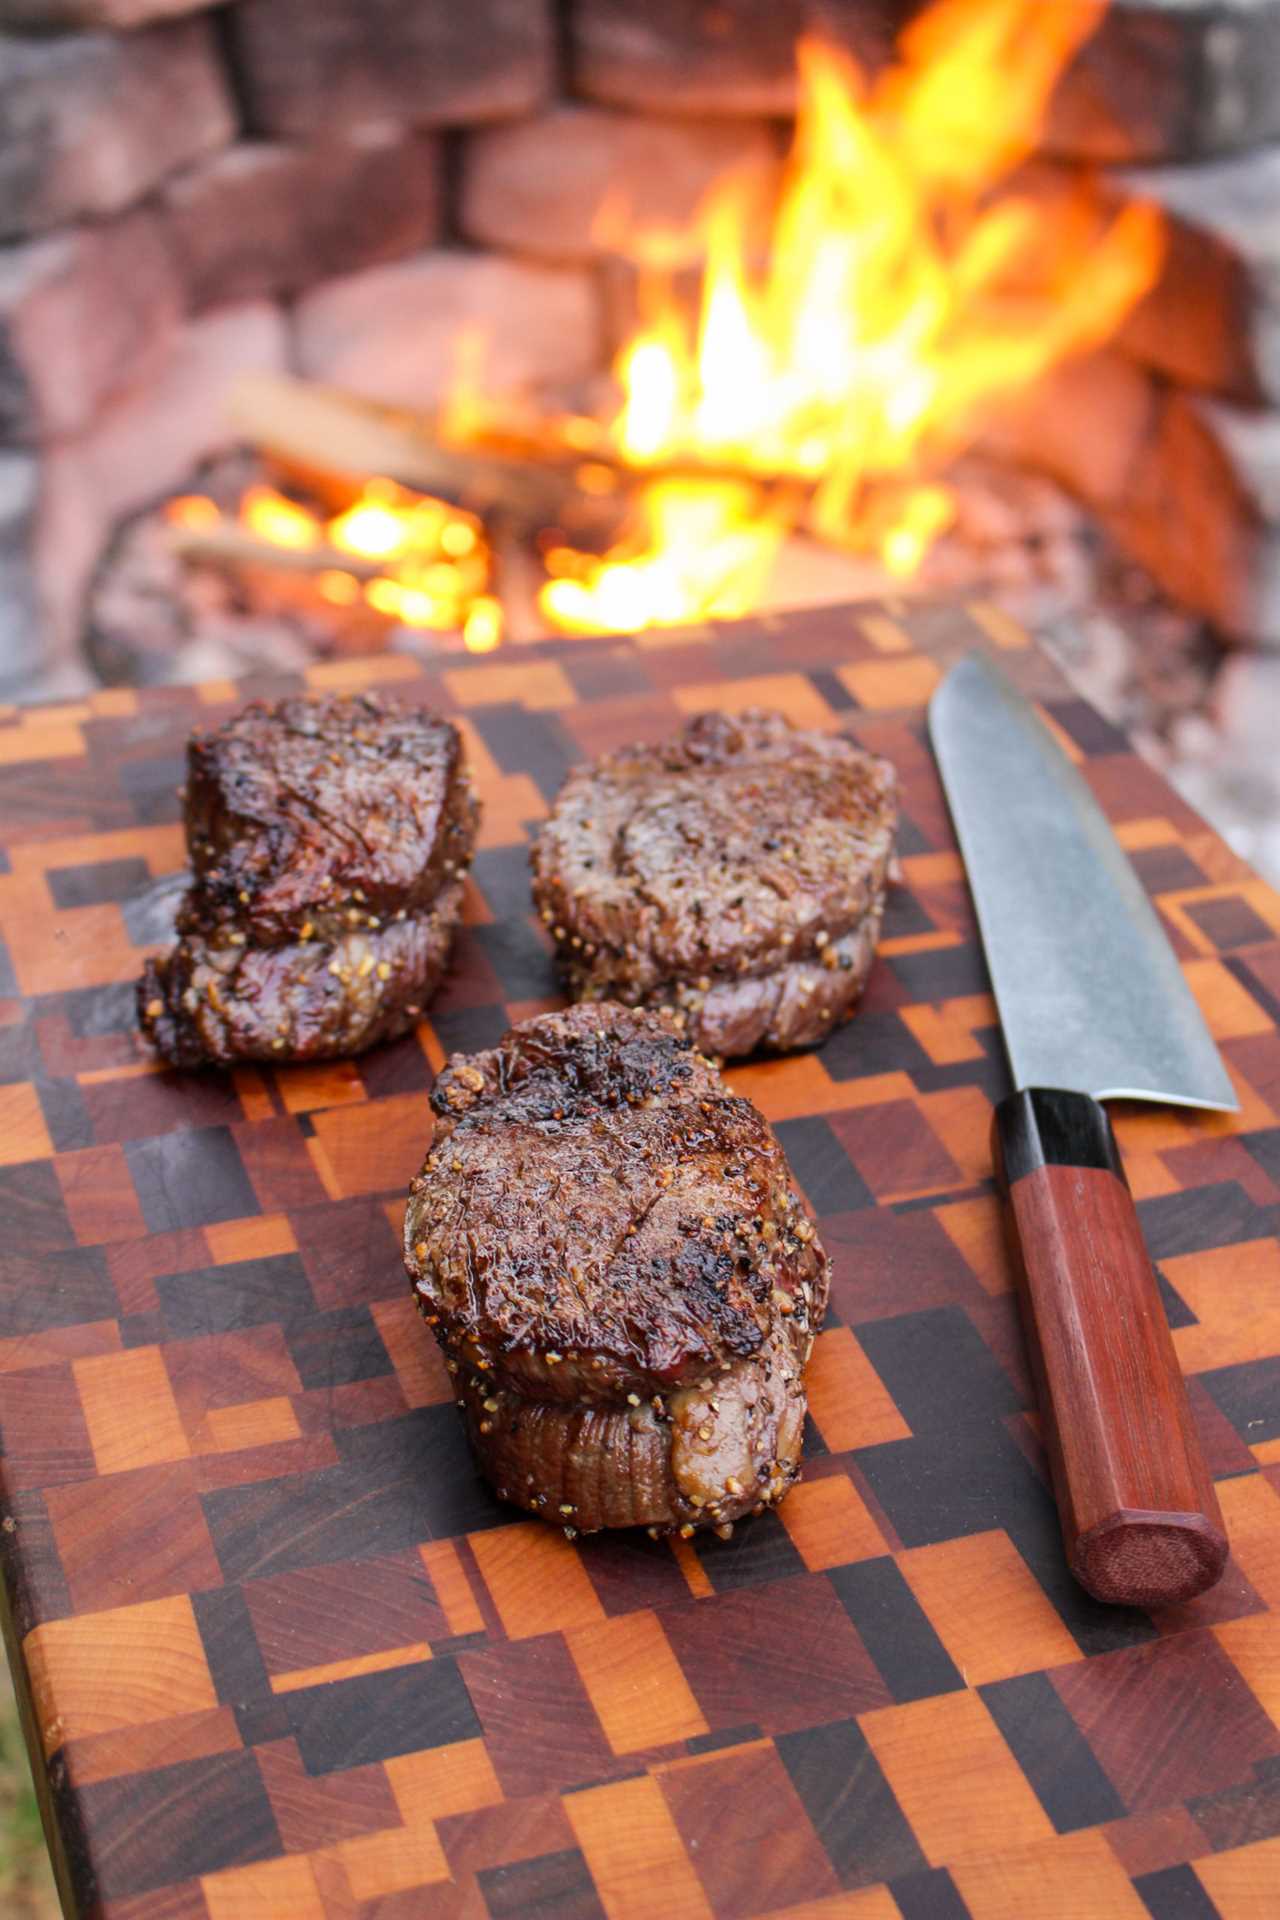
x: 329, y: 840
x: 735, y: 874
x: 299, y: 813
x: 609, y: 1248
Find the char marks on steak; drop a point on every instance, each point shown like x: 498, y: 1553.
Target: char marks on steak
x: 329, y: 839
x: 735, y: 875
x: 611, y: 1252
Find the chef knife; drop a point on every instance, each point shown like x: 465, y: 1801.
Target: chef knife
x: 1093, y: 1006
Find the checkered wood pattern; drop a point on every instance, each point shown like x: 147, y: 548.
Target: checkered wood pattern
x: 286, y: 1654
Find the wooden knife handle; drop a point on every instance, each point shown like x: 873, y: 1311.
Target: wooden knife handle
x: 1140, y: 1518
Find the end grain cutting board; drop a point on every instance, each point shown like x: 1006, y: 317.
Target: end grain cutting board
x: 284, y: 1654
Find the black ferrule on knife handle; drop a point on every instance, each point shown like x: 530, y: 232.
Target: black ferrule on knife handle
x: 1048, y: 1127
x: 1140, y: 1518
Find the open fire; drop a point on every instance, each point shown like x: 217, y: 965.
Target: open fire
x: 822, y: 382
x: 859, y: 362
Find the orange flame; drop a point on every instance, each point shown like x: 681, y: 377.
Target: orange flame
x: 274, y: 517
x: 709, y: 542
x: 880, y: 329
x: 430, y: 561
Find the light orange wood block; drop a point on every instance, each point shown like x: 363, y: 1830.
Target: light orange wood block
x: 847, y: 1397
x: 955, y: 1779
x: 635, y: 1683
x: 265, y: 1891
x: 509, y: 802
x: 252, y: 1423
x: 976, y: 1231
x: 944, y: 1036
x: 1234, y: 1293
x: 1230, y: 1011
x: 961, y: 1118
x: 256, y: 1239
x: 114, y: 702
x: 1253, y: 1647
x: 56, y: 740
x: 438, y: 1781
x: 885, y: 635
x: 380, y: 1864
x: 987, y: 1607
x: 696, y: 1577
x: 536, y: 1579
x: 251, y: 1092
x: 381, y: 669
x: 129, y: 1409
x: 829, y: 1523
x: 103, y: 1671
x: 891, y: 683
x: 999, y: 626
x: 633, y: 1848
x: 1073, y: 1876
x: 218, y: 693
x: 1242, y: 1884
x: 452, y: 1588
x: 1251, y: 1510
x: 871, y: 1903
x: 83, y: 947
x: 23, y: 1133
x: 360, y: 1663
x: 799, y: 1084
x: 329, y: 1083
x: 539, y: 685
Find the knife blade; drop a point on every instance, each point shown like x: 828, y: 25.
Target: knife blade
x: 1089, y: 991
x: 1093, y: 1006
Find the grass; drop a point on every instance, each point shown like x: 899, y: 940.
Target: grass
x: 26, y: 1883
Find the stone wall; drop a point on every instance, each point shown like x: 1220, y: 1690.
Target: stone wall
x: 187, y: 192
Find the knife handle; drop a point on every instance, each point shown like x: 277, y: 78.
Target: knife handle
x: 1140, y: 1518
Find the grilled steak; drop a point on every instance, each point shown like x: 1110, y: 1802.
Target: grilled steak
x: 736, y: 875
x: 608, y: 1246
x: 329, y: 839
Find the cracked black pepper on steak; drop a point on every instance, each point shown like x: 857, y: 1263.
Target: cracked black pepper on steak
x: 735, y: 874
x: 607, y: 1243
x: 329, y: 840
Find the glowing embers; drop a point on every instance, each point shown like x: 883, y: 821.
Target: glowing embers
x: 418, y: 561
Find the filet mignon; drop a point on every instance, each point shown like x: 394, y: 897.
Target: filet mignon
x: 735, y: 875
x: 329, y: 839
x: 607, y: 1243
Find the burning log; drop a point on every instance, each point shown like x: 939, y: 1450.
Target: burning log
x: 525, y: 468
x: 315, y: 431
x: 225, y: 543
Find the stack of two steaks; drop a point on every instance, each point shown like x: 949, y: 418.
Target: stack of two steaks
x: 329, y: 841
x: 605, y: 1238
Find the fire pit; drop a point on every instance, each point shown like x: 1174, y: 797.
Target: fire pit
x: 611, y: 318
